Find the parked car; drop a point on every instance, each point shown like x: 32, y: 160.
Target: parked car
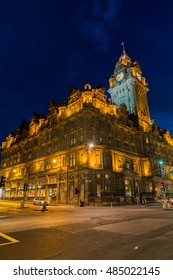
x: 40, y: 201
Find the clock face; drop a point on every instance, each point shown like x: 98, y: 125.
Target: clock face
x: 138, y: 76
x: 119, y: 76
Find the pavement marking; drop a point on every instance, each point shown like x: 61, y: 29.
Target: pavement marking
x: 11, y: 240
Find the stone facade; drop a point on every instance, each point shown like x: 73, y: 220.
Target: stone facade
x: 93, y: 148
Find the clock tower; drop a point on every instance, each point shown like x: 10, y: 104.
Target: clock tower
x: 128, y: 86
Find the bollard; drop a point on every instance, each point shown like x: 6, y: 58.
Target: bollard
x: 43, y: 206
x: 82, y: 203
x: 22, y: 203
x: 168, y: 205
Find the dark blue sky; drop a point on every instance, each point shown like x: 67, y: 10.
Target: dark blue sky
x: 48, y: 46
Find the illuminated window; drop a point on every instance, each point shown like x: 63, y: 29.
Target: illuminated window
x: 72, y: 110
x: 58, y: 161
x: 81, y: 137
x: 42, y: 166
x: 135, y: 166
x: 88, y: 99
x: 73, y: 140
x: 64, y: 160
x: 72, y: 159
x: 120, y: 163
x: 48, y: 166
x: 29, y: 156
x: 98, y: 158
x: 18, y: 159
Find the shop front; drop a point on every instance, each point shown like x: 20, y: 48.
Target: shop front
x: 52, y: 193
x: 20, y: 191
x: 52, y: 188
x: 41, y: 188
x: 31, y: 189
x: 11, y: 190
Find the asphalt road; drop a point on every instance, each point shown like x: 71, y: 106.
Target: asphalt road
x: 85, y: 233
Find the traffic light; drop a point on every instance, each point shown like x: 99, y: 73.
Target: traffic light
x: 2, y: 181
x: 77, y: 190
x: 162, y: 186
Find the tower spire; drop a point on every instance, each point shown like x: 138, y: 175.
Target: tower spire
x: 124, y: 58
x: 122, y: 44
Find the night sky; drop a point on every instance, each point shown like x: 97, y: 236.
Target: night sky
x: 46, y: 46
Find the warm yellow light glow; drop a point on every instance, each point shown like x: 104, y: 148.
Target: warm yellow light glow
x: 91, y: 145
x: 54, y: 160
x: 15, y: 171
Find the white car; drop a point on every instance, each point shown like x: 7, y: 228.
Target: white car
x: 40, y: 201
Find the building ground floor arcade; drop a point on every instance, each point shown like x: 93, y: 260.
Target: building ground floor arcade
x: 92, y: 186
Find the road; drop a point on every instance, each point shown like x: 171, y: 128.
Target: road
x: 85, y: 233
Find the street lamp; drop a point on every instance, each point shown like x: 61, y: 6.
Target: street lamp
x: 160, y: 162
x: 90, y: 145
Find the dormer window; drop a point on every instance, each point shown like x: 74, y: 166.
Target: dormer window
x: 89, y: 99
x: 87, y: 86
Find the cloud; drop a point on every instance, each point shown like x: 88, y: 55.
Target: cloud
x: 112, y: 10
x: 105, y: 10
x: 95, y: 21
x: 96, y: 34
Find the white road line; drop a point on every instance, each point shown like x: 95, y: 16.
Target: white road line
x: 11, y: 240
